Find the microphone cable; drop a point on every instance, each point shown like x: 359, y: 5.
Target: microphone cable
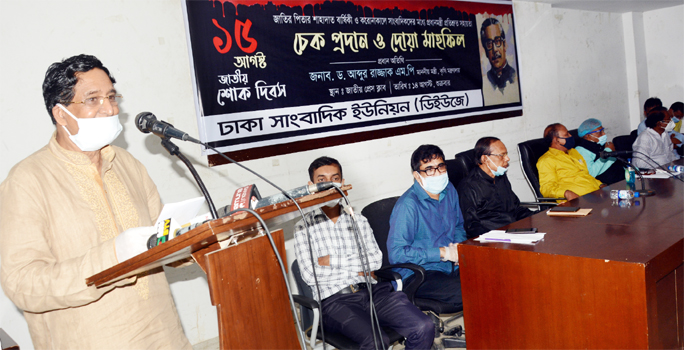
x: 308, y: 236
x: 657, y: 165
x: 365, y: 266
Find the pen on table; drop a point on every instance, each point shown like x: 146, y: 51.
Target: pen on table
x: 497, y: 239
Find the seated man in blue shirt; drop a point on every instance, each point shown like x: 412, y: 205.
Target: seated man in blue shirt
x: 425, y: 227
x: 339, y: 270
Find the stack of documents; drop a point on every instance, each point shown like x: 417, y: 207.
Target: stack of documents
x: 661, y: 174
x: 501, y: 236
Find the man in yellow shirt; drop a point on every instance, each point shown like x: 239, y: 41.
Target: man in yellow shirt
x: 562, y: 170
x: 677, y: 112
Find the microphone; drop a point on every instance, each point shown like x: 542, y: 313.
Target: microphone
x: 147, y: 122
x: 295, y: 193
x: 604, y: 154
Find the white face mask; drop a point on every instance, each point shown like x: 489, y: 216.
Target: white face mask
x: 94, y: 133
x: 670, y: 126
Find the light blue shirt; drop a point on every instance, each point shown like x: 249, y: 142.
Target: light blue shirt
x: 596, y: 166
x: 419, y: 225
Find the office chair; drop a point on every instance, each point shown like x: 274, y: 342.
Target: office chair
x: 378, y: 215
x: 623, y: 142
x: 459, y: 167
x: 530, y: 151
x: 311, y: 317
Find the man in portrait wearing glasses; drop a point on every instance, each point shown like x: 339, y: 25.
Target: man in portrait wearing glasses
x: 501, y: 83
x: 594, y: 141
x: 77, y: 207
x: 486, y: 197
x: 425, y: 227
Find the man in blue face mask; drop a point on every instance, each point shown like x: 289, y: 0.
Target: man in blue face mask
x: 425, y: 227
x: 594, y: 141
x: 563, y: 172
x: 486, y: 197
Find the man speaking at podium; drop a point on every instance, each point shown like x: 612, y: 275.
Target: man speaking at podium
x: 74, y: 208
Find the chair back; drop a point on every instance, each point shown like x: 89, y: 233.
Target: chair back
x: 530, y: 151
x: 305, y: 290
x: 459, y: 167
x: 378, y: 215
x: 624, y: 142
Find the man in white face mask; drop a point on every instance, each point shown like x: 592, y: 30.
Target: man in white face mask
x: 426, y: 226
x: 77, y: 207
x: 342, y: 284
x: 594, y: 141
x: 655, y: 142
x: 486, y: 197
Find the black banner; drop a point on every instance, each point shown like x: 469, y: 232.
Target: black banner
x: 269, y: 73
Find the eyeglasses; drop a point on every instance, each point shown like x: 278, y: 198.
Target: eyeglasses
x: 598, y: 131
x: 98, y: 101
x: 505, y: 154
x: 498, y: 41
x: 429, y: 171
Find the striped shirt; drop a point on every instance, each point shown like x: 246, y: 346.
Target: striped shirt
x: 339, y: 241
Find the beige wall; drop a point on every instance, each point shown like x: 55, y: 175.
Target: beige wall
x: 571, y: 67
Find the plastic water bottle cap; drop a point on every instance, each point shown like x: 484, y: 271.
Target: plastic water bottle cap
x: 636, y: 194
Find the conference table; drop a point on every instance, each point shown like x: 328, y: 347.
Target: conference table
x: 613, y: 279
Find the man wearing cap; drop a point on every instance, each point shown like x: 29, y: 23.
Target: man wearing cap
x: 593, y: 141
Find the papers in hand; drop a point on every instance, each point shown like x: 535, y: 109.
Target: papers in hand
x: 501, y: 236
x: 181, y: 212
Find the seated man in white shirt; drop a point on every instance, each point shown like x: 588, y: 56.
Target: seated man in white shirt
x: 655, y: 141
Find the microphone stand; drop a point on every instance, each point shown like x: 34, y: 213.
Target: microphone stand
x: 643, y: 192
x: 175, y: 151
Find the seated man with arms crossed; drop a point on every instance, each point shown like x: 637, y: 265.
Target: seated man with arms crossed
x: 562, y: 170
x: 655, y: 142
x: 425, y: 227
x: 339, y: 270
x: 486, y: 198
x: 594, y: 141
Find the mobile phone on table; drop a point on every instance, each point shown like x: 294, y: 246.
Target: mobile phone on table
x: 522, y: 230
x: 565, y: 209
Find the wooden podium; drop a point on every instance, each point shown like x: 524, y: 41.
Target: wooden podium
x: 245, y: 281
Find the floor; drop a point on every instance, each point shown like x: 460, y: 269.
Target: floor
x: 213, y: 344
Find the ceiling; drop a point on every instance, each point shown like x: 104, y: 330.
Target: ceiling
x: 616, y: 6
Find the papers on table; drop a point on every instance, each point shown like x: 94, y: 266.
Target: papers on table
x: 661, y: 174
x: 500, y: 236
x: 575, y: 214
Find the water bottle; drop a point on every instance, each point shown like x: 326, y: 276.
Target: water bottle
x: 630, y: 174
x: 676, y: 168
x: 614, y: 195
x: 623, y: 194
x: 627, y: 194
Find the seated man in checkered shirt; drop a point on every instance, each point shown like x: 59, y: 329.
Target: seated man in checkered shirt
x: 344, y: 292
